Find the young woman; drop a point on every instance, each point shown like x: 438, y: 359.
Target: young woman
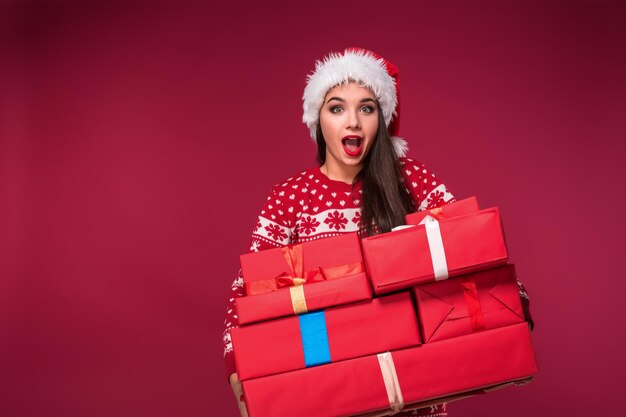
x: 364, y: 183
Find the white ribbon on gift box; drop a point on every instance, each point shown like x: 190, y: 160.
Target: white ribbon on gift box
x: 392, y: 385
x: 435, y: 243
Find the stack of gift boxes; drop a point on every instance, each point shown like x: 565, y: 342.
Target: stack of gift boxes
x: 445, y: 320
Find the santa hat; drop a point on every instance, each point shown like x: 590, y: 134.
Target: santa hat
x: 365, y: 67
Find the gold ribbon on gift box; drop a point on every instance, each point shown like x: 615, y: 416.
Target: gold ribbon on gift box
x: 297, y: 277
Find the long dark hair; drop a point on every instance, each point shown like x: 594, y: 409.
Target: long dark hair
x: 385, y: 200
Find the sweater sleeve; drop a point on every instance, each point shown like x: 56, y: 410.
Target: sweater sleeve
x: 274, y: 228
x: 427, y: 189
x: 525, y: 304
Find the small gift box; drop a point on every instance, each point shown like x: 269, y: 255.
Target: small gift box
x: 302, y: 277
x: 435, y: 251
x: 325, y: 336
x: 458, y: 208
x: 469, y: 303
x: 431, y: 373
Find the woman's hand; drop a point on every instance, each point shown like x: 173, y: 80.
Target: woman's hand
x: 238, y: 391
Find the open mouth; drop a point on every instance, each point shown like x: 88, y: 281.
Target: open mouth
x: 352, y: 145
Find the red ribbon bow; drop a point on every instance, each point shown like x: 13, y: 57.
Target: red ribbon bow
x: 437, y: 213
x: 293, y: 256
x: 297, y: 275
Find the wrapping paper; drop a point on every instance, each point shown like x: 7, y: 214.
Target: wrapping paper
x: 439, y: 370
x: 334, y: 334
x: 458, y: 208
x: 450, y: 398
x: 418, y: 254
x: 474, y: 302
x: 328, y: 272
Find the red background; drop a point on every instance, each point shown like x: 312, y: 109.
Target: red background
x: 139, y: 140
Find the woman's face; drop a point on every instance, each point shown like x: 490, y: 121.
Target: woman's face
x: 349, y: 123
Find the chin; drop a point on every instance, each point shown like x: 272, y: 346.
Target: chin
x: 352, y: 161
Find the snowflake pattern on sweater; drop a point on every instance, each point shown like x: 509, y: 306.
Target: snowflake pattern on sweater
x: 310, y: 206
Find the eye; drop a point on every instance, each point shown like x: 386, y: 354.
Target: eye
x: 367, y: 109
x: 335, y: 109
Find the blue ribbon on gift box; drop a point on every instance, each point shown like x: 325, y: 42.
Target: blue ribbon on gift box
x: 314, y: 338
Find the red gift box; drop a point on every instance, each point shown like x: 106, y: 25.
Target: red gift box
x: 361, y: 329
x: 469, y: 303
x: 302, y: 277
x: 435, y: 251
x: 465, y: 364
x: 458, y: 208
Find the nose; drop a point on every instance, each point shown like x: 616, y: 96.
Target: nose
x: 353, y: 121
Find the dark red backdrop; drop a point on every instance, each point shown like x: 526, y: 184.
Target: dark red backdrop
x: 138, y: 141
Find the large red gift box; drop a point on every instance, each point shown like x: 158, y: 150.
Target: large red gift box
x: 302, y: 277
x: 469, y: 303
x: 435, y: 251
x: 339, y: 333
x: 409, y: 376
x: 458, y: 208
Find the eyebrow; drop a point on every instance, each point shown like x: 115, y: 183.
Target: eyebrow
x: 342, y: 100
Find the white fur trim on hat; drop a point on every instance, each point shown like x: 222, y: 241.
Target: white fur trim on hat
x: 399, y: 145
x: 336, y: 68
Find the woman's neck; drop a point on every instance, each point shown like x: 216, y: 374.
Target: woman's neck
x: 341, y: 173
